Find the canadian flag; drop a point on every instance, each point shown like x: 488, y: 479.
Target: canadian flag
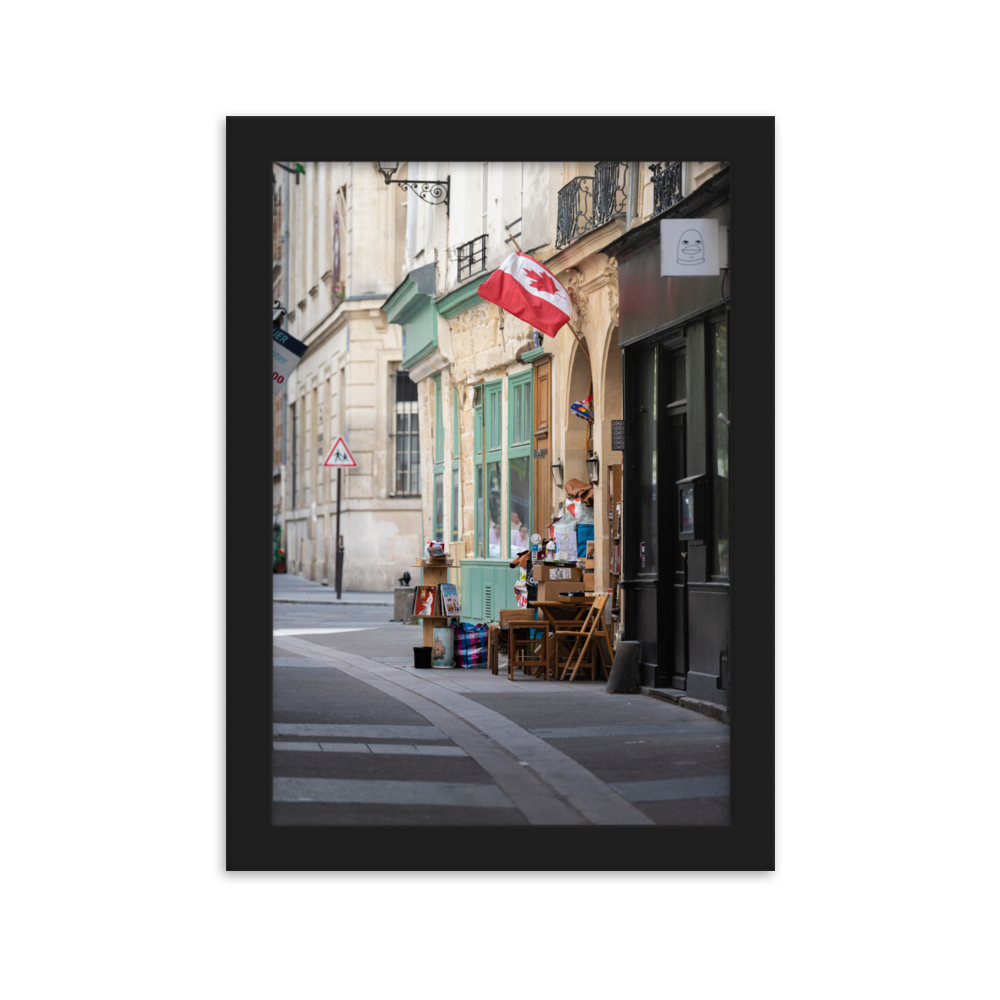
x: 529, y: 291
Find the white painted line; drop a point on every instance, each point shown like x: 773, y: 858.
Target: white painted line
x: 397, y: 793
x: 345, y: 747
x: 316, y: 631
x: 430, y: 750
x: 296, y: 746
x: 391, y: 748
x: 360, y: 732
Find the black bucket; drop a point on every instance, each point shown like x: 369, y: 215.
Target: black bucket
x: 422, y: 657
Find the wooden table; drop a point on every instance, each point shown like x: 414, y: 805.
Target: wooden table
x: 572, y: 609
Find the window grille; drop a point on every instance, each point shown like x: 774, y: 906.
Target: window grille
x: 406, y: 437
x: 471, y: 257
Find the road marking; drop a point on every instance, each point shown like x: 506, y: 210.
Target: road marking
x: 554, y: 789
x: 673, y: 788
x: 685, y: 727
x: 397, y: 793
x: 428, y: 750
x: 360, y: 732
x: 316, y: 631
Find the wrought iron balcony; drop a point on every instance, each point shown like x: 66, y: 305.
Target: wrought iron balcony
x: 588, y: 202
x: 666, y: 184
x: 471, y: 257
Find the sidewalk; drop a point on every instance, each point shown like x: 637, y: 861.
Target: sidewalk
x: 289, y: 589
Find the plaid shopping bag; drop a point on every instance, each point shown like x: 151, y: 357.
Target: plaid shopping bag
x: 471, y: 644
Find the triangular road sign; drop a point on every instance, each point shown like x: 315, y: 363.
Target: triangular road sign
x: 340, y: 456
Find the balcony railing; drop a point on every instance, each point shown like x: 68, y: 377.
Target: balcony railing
x: 471, y: 257
x: 666, y: 184
x: 588, y: 202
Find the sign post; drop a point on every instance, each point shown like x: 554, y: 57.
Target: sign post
x: 340, y: 458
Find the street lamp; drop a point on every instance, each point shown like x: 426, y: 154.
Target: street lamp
x: 557, y: 475
x: 433, y: 192
x: 593, y: 468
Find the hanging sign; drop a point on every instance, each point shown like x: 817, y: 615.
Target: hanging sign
x: 340, y: 456
x: 689, y: 247
x: 287, y: 353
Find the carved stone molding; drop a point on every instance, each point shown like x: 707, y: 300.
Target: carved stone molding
x: 611, y: 275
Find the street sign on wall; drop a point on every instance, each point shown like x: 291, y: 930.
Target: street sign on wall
x: 287, y: 353
x: 340, y: 456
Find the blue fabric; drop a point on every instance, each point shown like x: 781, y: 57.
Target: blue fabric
x: 471, y: 643
x: 584, y: 534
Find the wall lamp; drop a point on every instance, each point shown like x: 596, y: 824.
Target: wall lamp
x: 557, y: 475
x: 594, y: 468
x: 433, y: 192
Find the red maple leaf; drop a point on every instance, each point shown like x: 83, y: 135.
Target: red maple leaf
x: 541, y: 281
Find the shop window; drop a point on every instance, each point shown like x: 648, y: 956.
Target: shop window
x: 720, y: 408
x: 487, y: 473
x: 646, y: 561
x: 519, y: 463
x: 438, y: 422
x: 438, y: 461
x: 439, y: 506
x: 456, y: 452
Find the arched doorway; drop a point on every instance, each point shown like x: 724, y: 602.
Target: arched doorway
x: 578, y: 442
x: 610, y: 490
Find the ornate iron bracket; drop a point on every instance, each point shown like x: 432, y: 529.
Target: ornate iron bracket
x: 433, y: 192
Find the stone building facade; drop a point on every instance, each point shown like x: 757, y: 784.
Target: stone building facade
x: 495, y: 395
x: 340, y: 238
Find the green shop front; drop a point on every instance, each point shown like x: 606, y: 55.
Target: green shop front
x: 486, y: 581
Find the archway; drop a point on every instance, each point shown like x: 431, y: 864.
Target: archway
x: 578, y: 441
x: 610, y: 490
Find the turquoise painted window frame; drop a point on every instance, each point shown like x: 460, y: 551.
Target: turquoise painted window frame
x: 493, y: 401
x: 488, y: 450
x: 521, y: 448
x: 477, y: 478
x: 438, y: 422
x: 438, y: 461
x: 456, y: 438
x: 455, y: 502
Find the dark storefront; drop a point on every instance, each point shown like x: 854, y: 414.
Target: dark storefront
x: 675, y: 338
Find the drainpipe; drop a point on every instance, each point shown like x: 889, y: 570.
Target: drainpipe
x: 284, y: 394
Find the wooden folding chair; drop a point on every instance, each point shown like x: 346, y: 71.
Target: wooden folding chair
x: 590, y: 633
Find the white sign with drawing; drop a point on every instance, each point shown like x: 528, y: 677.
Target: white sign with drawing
x: 340, y: 456
x: 689, y: 247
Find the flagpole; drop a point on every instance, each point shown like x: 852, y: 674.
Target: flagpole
x: 571, y: 330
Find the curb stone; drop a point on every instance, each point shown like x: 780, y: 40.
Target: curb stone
x: 718, y: 712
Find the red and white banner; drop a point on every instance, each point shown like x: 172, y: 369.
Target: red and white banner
x: 529, y: 291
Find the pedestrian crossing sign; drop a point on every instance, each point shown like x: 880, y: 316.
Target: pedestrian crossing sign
x: 340, y: 456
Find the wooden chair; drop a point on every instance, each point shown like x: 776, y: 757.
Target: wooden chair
x: 590, y: 633
x: 532, y: 655
x: 492, y: 648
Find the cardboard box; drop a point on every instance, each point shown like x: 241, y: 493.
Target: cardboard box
x: 551, y: 589
x: 541, y: 573
x: 588, y: 564
x: 588, y: 582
